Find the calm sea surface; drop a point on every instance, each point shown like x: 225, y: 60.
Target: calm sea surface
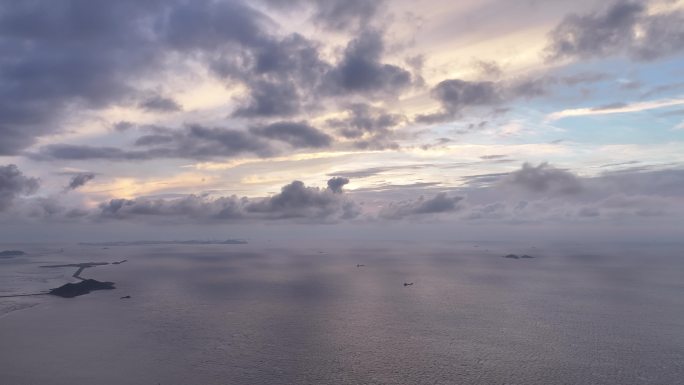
x: 268, y: 313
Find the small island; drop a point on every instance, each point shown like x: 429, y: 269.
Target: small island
x: 515, y: 256
x: 11, y: 253
x: 71, y: 290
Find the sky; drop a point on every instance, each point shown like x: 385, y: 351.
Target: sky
x: 481, y: 119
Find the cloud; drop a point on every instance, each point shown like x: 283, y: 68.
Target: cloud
x: 90, y: 55
x: 545, y: 194
x: 361, y: 70
x: 457, y: 95
x: 269, y: 98
x: 282, y: 76
x: 13, y: 183
x: 454, y: 94
x: 372, y: 171
x: 85, y: 152
x: 295, y: 201
x: 363, y: 119
x: 624, y: 28
x: 160, y: 104
x: 336, y: 184
x: 545, y: 178
x: 531, y: 194
x: 123, y: 126
x: 334, y: 15
x: 212, y: 26
x: 345, y: 14
x: 191, y: 142
x: 193, y: 207
x: 615, y: 108
x: 196, y: 141
x: 79, y: 180
x: 298, y: 134
x: 440, y: 203
x: 61, y: 56
x: 66, y: 58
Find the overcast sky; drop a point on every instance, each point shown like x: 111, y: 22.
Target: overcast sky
x: 193, y: 119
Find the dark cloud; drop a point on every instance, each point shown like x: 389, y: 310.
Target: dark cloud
x: 68, y: 56
x: 279, y: 73
x: 191, y: 142
x: 160, y: 103
x: 545, y: 178
x: 91, y: 54
x: 363, y: 119
x: 336, y: 184
x: 455, y: 94
x: 345, y: 14
x: 80, y: 180
x: 212, y: 26
x: 298, y: 134
x: 295, y: 201
x: 13, y: 183
x: 361, y: 69
x: 61, y: 55
x: 282, y: 76
x: 269, y: 98
x: 440, y: 203
x: 123, y: 126
x: 192, y: 207
x: 197, y: 142
x: 625, y: 27
x: 85, y: 152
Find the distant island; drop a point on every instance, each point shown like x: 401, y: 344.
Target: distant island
x: 11, y: 253
x: 149, y: 243
x: 514, y: 256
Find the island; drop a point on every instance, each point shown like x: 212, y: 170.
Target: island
x: 515, y: 256
x: 71, y: 290
x: 11, y: 253
x: 87, y: 285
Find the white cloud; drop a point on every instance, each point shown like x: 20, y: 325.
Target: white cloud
x: 617, y: 109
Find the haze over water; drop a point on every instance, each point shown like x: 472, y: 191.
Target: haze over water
x: 280, y: 313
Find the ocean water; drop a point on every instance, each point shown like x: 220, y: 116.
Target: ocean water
x: 283, y: 313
